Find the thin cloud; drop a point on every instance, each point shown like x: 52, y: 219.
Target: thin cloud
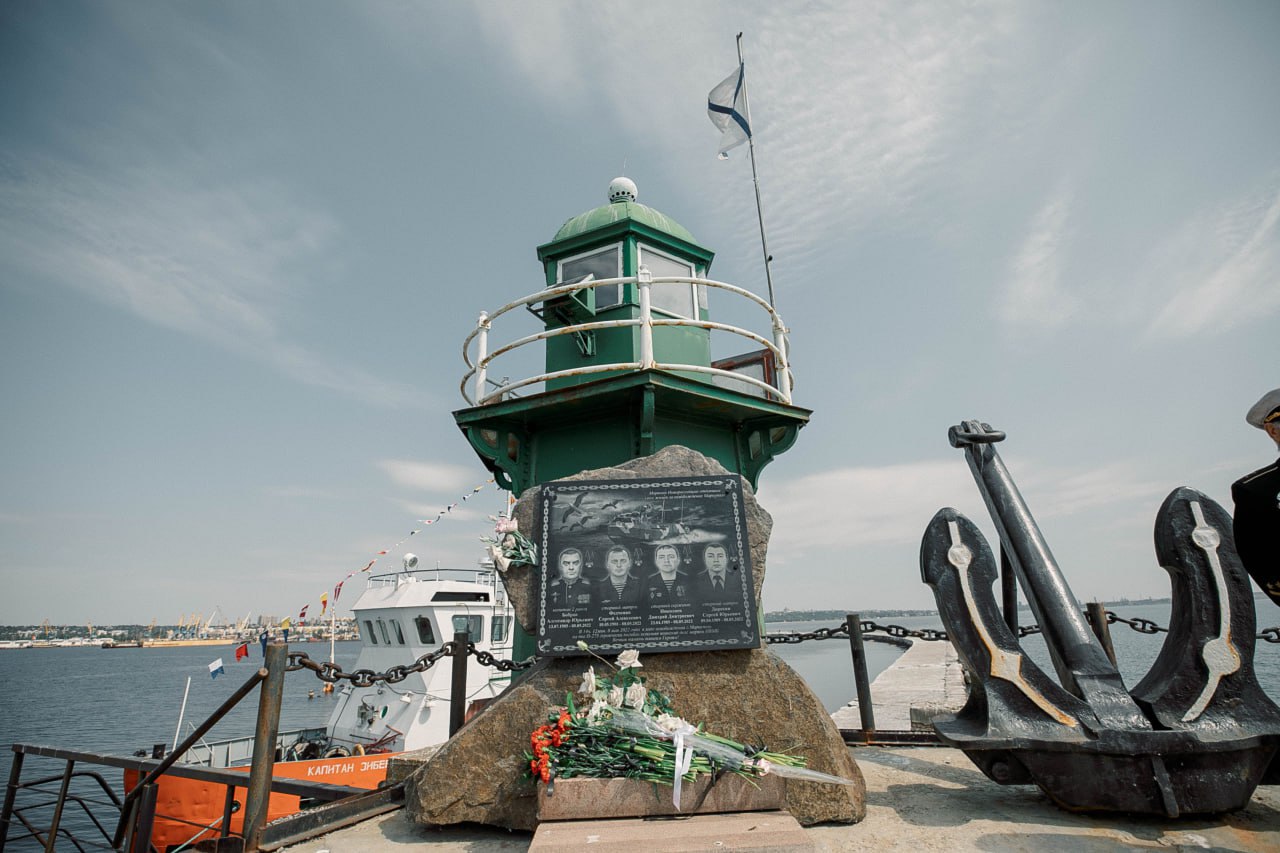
x: 854, y: 106
x: 850, y: 508
x: 1219, y: 270
x: 1034, y: 295
x: 214, y: 262
x: 436, y: 478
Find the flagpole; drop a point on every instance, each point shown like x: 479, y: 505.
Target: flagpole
x: 755, y: 179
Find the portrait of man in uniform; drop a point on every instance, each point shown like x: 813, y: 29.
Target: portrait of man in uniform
x: 570, y: 590
x: 668, y: 585
x: 619, y: 586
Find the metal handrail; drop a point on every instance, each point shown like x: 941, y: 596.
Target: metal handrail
x: 477, y: 369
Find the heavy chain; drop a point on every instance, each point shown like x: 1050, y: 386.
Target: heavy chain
x: 1142, y: 626
x: 331, y: 672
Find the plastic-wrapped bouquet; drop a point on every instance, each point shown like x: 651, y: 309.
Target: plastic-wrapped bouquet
x: 621, y: 728
x: 508, y: 545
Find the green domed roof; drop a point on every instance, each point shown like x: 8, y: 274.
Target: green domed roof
x: 607, y: 214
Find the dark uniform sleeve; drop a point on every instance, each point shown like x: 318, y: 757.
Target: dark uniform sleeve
x: 1257, y: 529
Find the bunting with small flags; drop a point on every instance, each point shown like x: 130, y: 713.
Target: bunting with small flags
x: 426, y: 522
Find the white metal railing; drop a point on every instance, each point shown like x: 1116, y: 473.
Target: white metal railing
x: 477, y: 373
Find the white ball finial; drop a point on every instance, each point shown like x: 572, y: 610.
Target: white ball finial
x: 622, y: 189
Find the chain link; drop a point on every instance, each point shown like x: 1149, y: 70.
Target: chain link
x: 331, y: 672
x: 1142, y: 626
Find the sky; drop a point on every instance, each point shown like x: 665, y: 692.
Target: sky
x: 241, y: 246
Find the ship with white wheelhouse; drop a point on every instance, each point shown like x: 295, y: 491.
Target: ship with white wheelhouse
x: 402, y: 616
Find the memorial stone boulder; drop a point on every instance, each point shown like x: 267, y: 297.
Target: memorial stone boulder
x: 749, y: 695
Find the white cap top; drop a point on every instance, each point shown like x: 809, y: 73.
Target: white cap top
x: 622, y: 189
x: 1261, y: 411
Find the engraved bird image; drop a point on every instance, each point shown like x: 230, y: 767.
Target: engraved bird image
x: 574, y: 509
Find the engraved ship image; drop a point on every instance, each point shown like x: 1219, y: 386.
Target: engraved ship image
x: 1196, y: 736
x: 647, y: 526
x: 401, y: 615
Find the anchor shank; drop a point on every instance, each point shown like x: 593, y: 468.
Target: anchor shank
x: 1079, y: 660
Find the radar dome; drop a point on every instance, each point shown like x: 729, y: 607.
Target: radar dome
x: 622, y: 189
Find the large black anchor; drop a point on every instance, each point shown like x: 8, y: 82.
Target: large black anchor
x: 1196, y: 736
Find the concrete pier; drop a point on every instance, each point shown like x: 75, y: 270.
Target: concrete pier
x: 928, y: 676
x: 919, y: 799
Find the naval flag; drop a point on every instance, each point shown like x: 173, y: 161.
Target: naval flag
x: 727, y: 108
x: 242, y: 651
x: 215, y: 668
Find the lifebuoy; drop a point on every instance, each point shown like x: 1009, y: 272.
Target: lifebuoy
x: 358, y: 749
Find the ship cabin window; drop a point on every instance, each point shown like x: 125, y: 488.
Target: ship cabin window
x: 382, y: 629
x: 602, y: 263
x: 425, y: 635
x: 473, y: 625
x: 678, y: 300
x: 368, y: 632
x: 395, y: 625
x: 501, y: 624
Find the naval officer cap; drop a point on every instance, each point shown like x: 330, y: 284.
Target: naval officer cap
x: 1266, y: 410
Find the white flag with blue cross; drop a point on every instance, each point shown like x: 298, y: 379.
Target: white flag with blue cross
x: 727, y: 107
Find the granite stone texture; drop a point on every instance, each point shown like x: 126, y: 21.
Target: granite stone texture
x: 748, y: 695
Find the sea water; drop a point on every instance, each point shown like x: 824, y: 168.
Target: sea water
x: 121, y: 700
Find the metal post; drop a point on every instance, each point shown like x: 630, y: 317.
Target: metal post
x: 458, y: 686
x: 10, y: 793
x: 866, y: 710
x: 1098, y: 622
x: 1009, y: 591
x: 645, y: 281
x: 784, y: 365
x: 228, y: 809
x: 57, y: 810
x: 146, y: 819
x: 264, y: 744
x: 482, y: 352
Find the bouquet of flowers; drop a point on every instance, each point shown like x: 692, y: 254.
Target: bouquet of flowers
x: 508, y: 545
x: 624, y: 729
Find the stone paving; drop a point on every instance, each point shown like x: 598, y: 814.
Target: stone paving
x: 920, y: 799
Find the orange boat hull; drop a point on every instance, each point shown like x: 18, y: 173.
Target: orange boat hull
x: 185, y: 807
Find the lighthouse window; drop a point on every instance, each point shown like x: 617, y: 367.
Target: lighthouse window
x: 602, y: 264
x: 672, y: 298
x: 425, y: 635
x: 395, y: 625
x: 368, y: 632
x: 473, y: 625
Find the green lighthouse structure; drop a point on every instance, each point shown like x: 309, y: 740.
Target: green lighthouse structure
x: 625, y: 323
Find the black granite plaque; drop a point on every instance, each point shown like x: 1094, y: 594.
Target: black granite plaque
x: 659, y: 565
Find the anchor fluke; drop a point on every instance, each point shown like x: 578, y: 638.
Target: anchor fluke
x: 1196, y: 736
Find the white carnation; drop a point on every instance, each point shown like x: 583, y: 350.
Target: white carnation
x: 669, y: 723
x: 636, y: 694
x: 588, y: 682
